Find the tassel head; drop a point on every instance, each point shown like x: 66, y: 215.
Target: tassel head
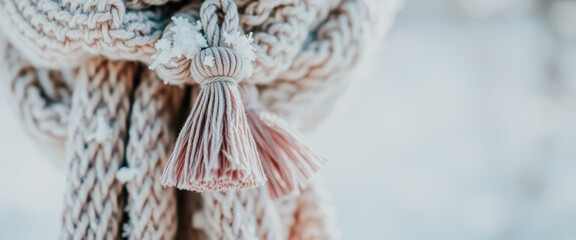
x: 225, y: 63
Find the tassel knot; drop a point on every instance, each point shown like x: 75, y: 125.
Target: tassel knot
x: 227, y: 65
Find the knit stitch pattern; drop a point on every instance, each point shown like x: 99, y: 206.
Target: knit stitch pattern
x: 100, y: 105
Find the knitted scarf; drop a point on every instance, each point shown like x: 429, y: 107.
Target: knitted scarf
x: 180, y: 118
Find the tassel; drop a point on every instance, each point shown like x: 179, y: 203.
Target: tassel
x: 215, y: 149
x: 287, y: 160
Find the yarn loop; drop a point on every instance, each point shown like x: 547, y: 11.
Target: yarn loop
x: 214, y: 26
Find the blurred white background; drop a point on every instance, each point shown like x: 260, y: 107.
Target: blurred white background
x: 463, y: 127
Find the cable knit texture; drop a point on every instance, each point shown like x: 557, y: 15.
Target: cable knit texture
x: 212, y: 92
x: 96, y: 141
x: 151, y: 207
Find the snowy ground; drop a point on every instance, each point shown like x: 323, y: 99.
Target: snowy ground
x: 463, y: 130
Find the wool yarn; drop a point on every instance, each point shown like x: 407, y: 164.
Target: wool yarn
x: 151, y: 208
x: 42, y: 99
x: 78, y: 74
x: 99, y: 114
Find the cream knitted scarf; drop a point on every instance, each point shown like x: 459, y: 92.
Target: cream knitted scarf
x: 143, y: 100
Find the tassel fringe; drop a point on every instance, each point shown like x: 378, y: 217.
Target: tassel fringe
x: 287, y: 160
x: 215, y: 150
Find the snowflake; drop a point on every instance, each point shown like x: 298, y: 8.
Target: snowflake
x: 209, y: 61
x: 242, y: 43
x: 186, y: 41
x: 102, y: 131
x: 126, y: 174
x: 126, y: 229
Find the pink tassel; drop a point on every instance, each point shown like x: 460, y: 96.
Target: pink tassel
x: 287, y: 160
x: 215, y: 149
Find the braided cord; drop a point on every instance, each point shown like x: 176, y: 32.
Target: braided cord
x: 95, y: 150
x: 42, y: 99
x: 239, y: 214
x: 66, y: 33
x: 318, y: 74
x: 314, y: 215
x: 282, y: 36
x: 152, y: 208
